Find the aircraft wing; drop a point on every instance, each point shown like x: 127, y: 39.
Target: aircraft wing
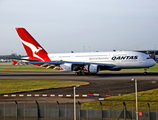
x: 57, y: 63
x: 24, y: 59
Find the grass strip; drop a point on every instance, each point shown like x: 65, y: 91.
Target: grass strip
x: 109, y: 105
x: 13, y: 86
x: 149, y: 96
x: 25, y: 68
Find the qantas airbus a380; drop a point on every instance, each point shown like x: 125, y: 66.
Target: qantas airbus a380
x: 82, y: 63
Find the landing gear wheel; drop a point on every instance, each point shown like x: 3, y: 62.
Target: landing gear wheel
x: 145, y: 73
x: 77, y: 73
x: 83, y: 73
x: 92, y: 73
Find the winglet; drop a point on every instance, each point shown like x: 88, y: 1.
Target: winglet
x: 14, y: 62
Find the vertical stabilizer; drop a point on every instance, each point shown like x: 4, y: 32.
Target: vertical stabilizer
x: 33, y: 49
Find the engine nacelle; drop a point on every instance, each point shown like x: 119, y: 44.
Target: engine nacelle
x: 86, y: 68
x: 92, y: 68
x: 67, y: 67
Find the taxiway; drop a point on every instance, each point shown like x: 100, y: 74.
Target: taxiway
x: 104, y: 83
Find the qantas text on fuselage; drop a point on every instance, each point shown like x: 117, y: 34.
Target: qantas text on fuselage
x: 124, y: 58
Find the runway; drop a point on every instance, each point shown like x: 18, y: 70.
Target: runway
x: 111, y: 83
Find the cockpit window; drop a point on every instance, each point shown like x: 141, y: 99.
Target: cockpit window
x: 148, y: 58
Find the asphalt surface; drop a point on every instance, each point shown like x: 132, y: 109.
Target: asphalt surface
x: 108, y: 83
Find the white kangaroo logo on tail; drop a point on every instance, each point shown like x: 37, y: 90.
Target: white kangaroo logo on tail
x: 33, y: 48
x: 39, y: 48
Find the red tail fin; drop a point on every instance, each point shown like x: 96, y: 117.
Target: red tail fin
x: 33, y: 49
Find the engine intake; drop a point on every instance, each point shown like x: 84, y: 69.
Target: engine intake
x: 92, y: 68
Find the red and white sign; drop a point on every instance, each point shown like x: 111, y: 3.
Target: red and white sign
x: 140, y: 113
x: 45, y: 95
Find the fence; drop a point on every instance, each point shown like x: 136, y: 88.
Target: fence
x: 48, y: 111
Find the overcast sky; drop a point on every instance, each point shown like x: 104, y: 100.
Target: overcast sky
x: 80, y: 25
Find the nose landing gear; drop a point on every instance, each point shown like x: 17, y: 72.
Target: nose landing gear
x: 145, y: 71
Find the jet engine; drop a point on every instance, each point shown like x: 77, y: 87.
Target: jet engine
x: 67, y: 67
x: 92, y: 68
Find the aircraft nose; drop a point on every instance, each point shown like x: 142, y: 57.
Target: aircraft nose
x: 153, y: 62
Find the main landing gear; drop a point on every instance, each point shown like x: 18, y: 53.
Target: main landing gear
x: 79, y: 73
x: 83, y: 73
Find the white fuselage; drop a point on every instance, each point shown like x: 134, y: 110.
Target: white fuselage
x: 122, y: 59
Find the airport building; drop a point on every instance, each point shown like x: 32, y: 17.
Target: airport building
x: 7, y: 58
